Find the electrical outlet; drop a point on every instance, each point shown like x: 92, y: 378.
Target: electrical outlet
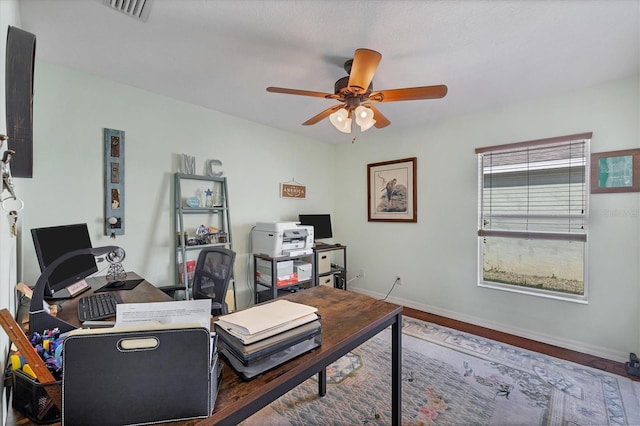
x: 362, y: 273
x: 398, y: 279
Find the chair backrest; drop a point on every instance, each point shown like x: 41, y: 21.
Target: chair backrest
x: 214, y: 270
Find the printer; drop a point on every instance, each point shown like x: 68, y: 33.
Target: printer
x: 282, y: 239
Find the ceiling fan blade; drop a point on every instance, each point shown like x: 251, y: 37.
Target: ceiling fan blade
x: 324, y: 114
x: 365, y: 63
x: 409, y: 94
x: 381, y: 120
x: 300, y: 92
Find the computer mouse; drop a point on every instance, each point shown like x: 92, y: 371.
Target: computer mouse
x: 116, y: 284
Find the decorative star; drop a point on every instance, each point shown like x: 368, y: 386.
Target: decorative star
x: 208, y: 192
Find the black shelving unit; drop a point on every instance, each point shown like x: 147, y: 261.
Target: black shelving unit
x: 331, y: 265
x: 266, y: 291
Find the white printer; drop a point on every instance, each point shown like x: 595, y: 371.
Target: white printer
x: 282, y: 239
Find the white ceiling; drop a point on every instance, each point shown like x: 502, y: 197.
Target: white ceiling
x: 222, y: 54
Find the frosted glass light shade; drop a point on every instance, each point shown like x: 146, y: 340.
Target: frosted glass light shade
x: 341, y: 121
x: 364, y: 117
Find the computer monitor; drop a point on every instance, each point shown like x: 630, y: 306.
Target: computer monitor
x: 51, y: 243
x: 321, y: 224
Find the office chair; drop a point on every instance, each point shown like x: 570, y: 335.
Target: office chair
x: 214, y: 270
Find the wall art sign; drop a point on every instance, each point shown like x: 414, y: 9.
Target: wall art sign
x: 113, y: 182
x: 391, y: 191
x: 293, y: 190
x: 615, y: 171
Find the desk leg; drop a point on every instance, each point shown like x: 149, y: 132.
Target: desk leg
x: 322, y: 382
x: 396, y: 372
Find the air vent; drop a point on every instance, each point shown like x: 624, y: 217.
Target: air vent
x: 137, y: 9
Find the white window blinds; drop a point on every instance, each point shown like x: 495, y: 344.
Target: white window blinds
x: 535, y: 189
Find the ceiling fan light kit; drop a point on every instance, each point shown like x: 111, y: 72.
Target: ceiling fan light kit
x: 355, y: 92
x: 364, y: 118
x: 341, y: 121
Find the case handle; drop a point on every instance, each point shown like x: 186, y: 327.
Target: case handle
x: 138, y: 344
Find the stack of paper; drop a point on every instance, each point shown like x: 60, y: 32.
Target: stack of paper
x: 266, y: 320
x: 259, y: 338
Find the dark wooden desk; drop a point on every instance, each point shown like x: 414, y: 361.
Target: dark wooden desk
x: 143, y: 292
x: 348, y: 320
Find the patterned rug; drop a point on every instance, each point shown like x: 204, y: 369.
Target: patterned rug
x: 455, y: 378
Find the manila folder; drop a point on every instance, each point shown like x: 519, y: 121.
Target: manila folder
x: 263, y: 317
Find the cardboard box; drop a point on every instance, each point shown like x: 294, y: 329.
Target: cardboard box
x: 191, y: 269
x: 324, y: 263
x: 326, y: 280
x: 283, y: 268
x: 281, y: 281
x: 303, y: 269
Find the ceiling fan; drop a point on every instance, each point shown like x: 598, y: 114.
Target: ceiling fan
x: 356, y: 94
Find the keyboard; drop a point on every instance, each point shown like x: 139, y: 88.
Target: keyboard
x: 97, y: 306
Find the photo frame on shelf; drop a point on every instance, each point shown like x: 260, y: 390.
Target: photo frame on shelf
x: 615, y: 171
x: 392, y: 191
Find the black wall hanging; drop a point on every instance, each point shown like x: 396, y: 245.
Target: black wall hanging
x: 20, y: 62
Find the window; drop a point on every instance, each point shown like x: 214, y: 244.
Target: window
x: 532, y: 216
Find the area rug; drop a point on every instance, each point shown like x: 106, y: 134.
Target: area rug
x: 455, y: 378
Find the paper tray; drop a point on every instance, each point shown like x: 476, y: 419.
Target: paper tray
x: 105, y: 381
x: 264, y: 348
x: 254, y: 369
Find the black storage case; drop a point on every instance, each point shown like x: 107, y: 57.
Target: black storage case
x: 106, y: 382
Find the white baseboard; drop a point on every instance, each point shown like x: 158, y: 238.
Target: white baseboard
x: 505, y: 328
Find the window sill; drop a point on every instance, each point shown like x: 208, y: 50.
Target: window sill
x: 535, y: 292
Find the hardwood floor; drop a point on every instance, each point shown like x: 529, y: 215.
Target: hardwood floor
x: 555, y: 351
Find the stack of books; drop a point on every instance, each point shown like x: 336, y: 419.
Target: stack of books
x: 260, y: 338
